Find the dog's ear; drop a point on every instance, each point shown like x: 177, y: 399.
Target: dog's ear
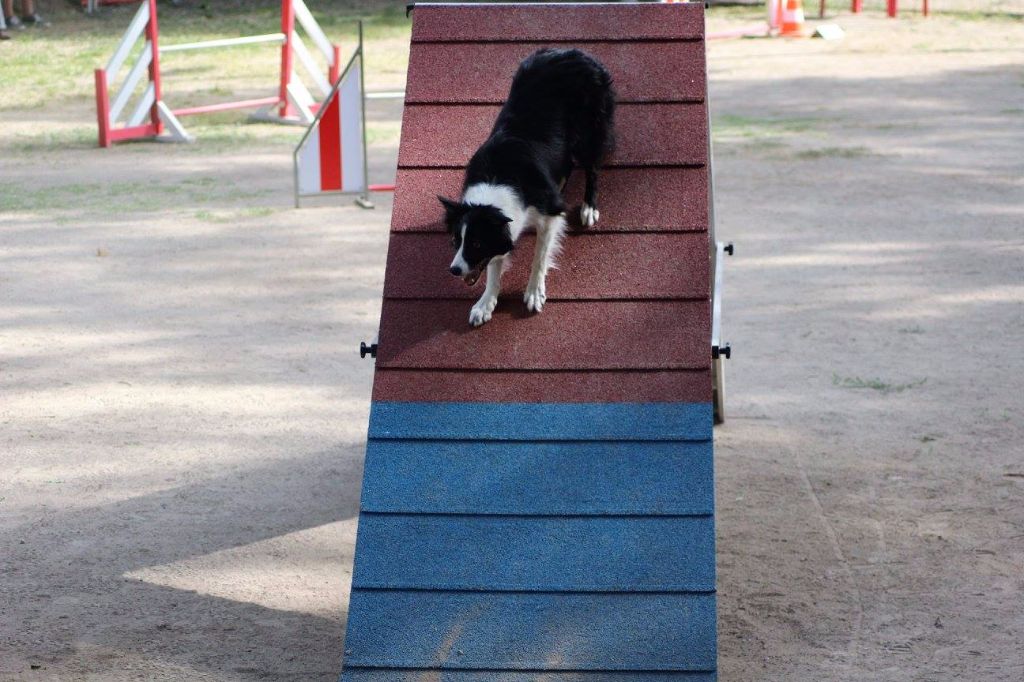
x: 451, y: 208
x: 504, y: 228
x: 506, y: 238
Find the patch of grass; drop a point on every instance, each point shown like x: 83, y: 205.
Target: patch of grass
x: 383, y: 132
x: 875, y: 384
x: 737, y: 12
x: 62, y: 139
x: 223, y: 137
x: 765, y: 135
x: 928, y: 437
x: 120, y: 196
x: 915, y: 329
x: 834, y: 153
x: 258, y: 212
x: 75, y: 44
x: 736, y: 126
x: 981, y: 15
x: 233, y: 216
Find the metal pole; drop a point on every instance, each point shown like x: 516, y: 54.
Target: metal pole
x: 364, y: 198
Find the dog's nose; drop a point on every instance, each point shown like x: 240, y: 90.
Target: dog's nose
x: 455, y: 270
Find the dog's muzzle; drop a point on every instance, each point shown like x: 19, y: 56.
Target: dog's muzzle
x: 470, y: 277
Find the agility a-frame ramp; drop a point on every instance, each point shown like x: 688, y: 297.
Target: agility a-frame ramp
x: 537, y: 501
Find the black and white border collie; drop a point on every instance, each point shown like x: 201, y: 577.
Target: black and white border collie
x: 559, y: 113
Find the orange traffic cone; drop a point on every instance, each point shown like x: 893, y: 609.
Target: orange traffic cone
x: 793, y: 20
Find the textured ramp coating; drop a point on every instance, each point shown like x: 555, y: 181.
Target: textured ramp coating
x: 631, y: 199
x: 541, y: 421
x: 658, y: 386
x: 435, y: 334
x: 566, y: 22
x: 522, y: 630
x: 594, y: 267
x: 662, y: 72
x: 354, y: 674
x: 538, y: 478
x: 537, y: 554
x: 538, y: 493
x: 672, y: 134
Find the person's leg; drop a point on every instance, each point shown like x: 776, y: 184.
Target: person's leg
x: 3, y: 28
x: 29, y: 15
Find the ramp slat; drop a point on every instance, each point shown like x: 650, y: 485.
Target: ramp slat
x: 573, y: 23
x: 646, y: 135
x: 661, y: 72
x: 593, y: 267
x: 354, y: 674
x: 649, y: 199
x: 536, y: 554
x: 540, y: 421
x: 524, y: 478
x: 436, y: 334
x: 688, y: 385
x: 531, y: 631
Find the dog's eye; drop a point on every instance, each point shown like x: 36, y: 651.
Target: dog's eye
x: 476, y: 245
x: 455, y: 241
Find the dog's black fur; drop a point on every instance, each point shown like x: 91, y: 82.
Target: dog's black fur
x: 559, y: 113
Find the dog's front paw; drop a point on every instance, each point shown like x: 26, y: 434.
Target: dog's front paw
x: 589, y: 215
x: 481, y: 312
x: 534, y: 298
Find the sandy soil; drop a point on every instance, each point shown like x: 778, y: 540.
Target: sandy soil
x: 183, y: 410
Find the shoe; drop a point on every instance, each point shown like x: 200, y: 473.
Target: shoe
x: 14, y: 22
x: 34, y: 20
x: 4, y: 36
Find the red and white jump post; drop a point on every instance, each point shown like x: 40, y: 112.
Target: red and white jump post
x: 331, y: 157
x: 292, y: 102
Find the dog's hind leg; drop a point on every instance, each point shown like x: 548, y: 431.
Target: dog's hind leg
x: 589, y: 214
x: 482, y: 309
x: 549, y: 241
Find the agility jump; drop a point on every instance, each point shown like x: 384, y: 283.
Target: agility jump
x: 537, y: 497
x: 331, y: 157
x: 151, y: 117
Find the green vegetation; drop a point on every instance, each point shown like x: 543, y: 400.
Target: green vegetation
x: 55, y: 65
x: 834, y: 153
x: 127, y: 196
x: 875, y: 384
x: 729, y: 127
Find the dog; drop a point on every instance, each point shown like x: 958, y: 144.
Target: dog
x: 559, y: 114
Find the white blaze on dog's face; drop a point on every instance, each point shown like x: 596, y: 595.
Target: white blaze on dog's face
x: 478, y: 234
x: 459, y: 266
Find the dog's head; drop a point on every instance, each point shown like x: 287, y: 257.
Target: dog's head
x: 478, y: 234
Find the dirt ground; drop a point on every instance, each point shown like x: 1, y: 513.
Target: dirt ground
x: 183, y: 410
